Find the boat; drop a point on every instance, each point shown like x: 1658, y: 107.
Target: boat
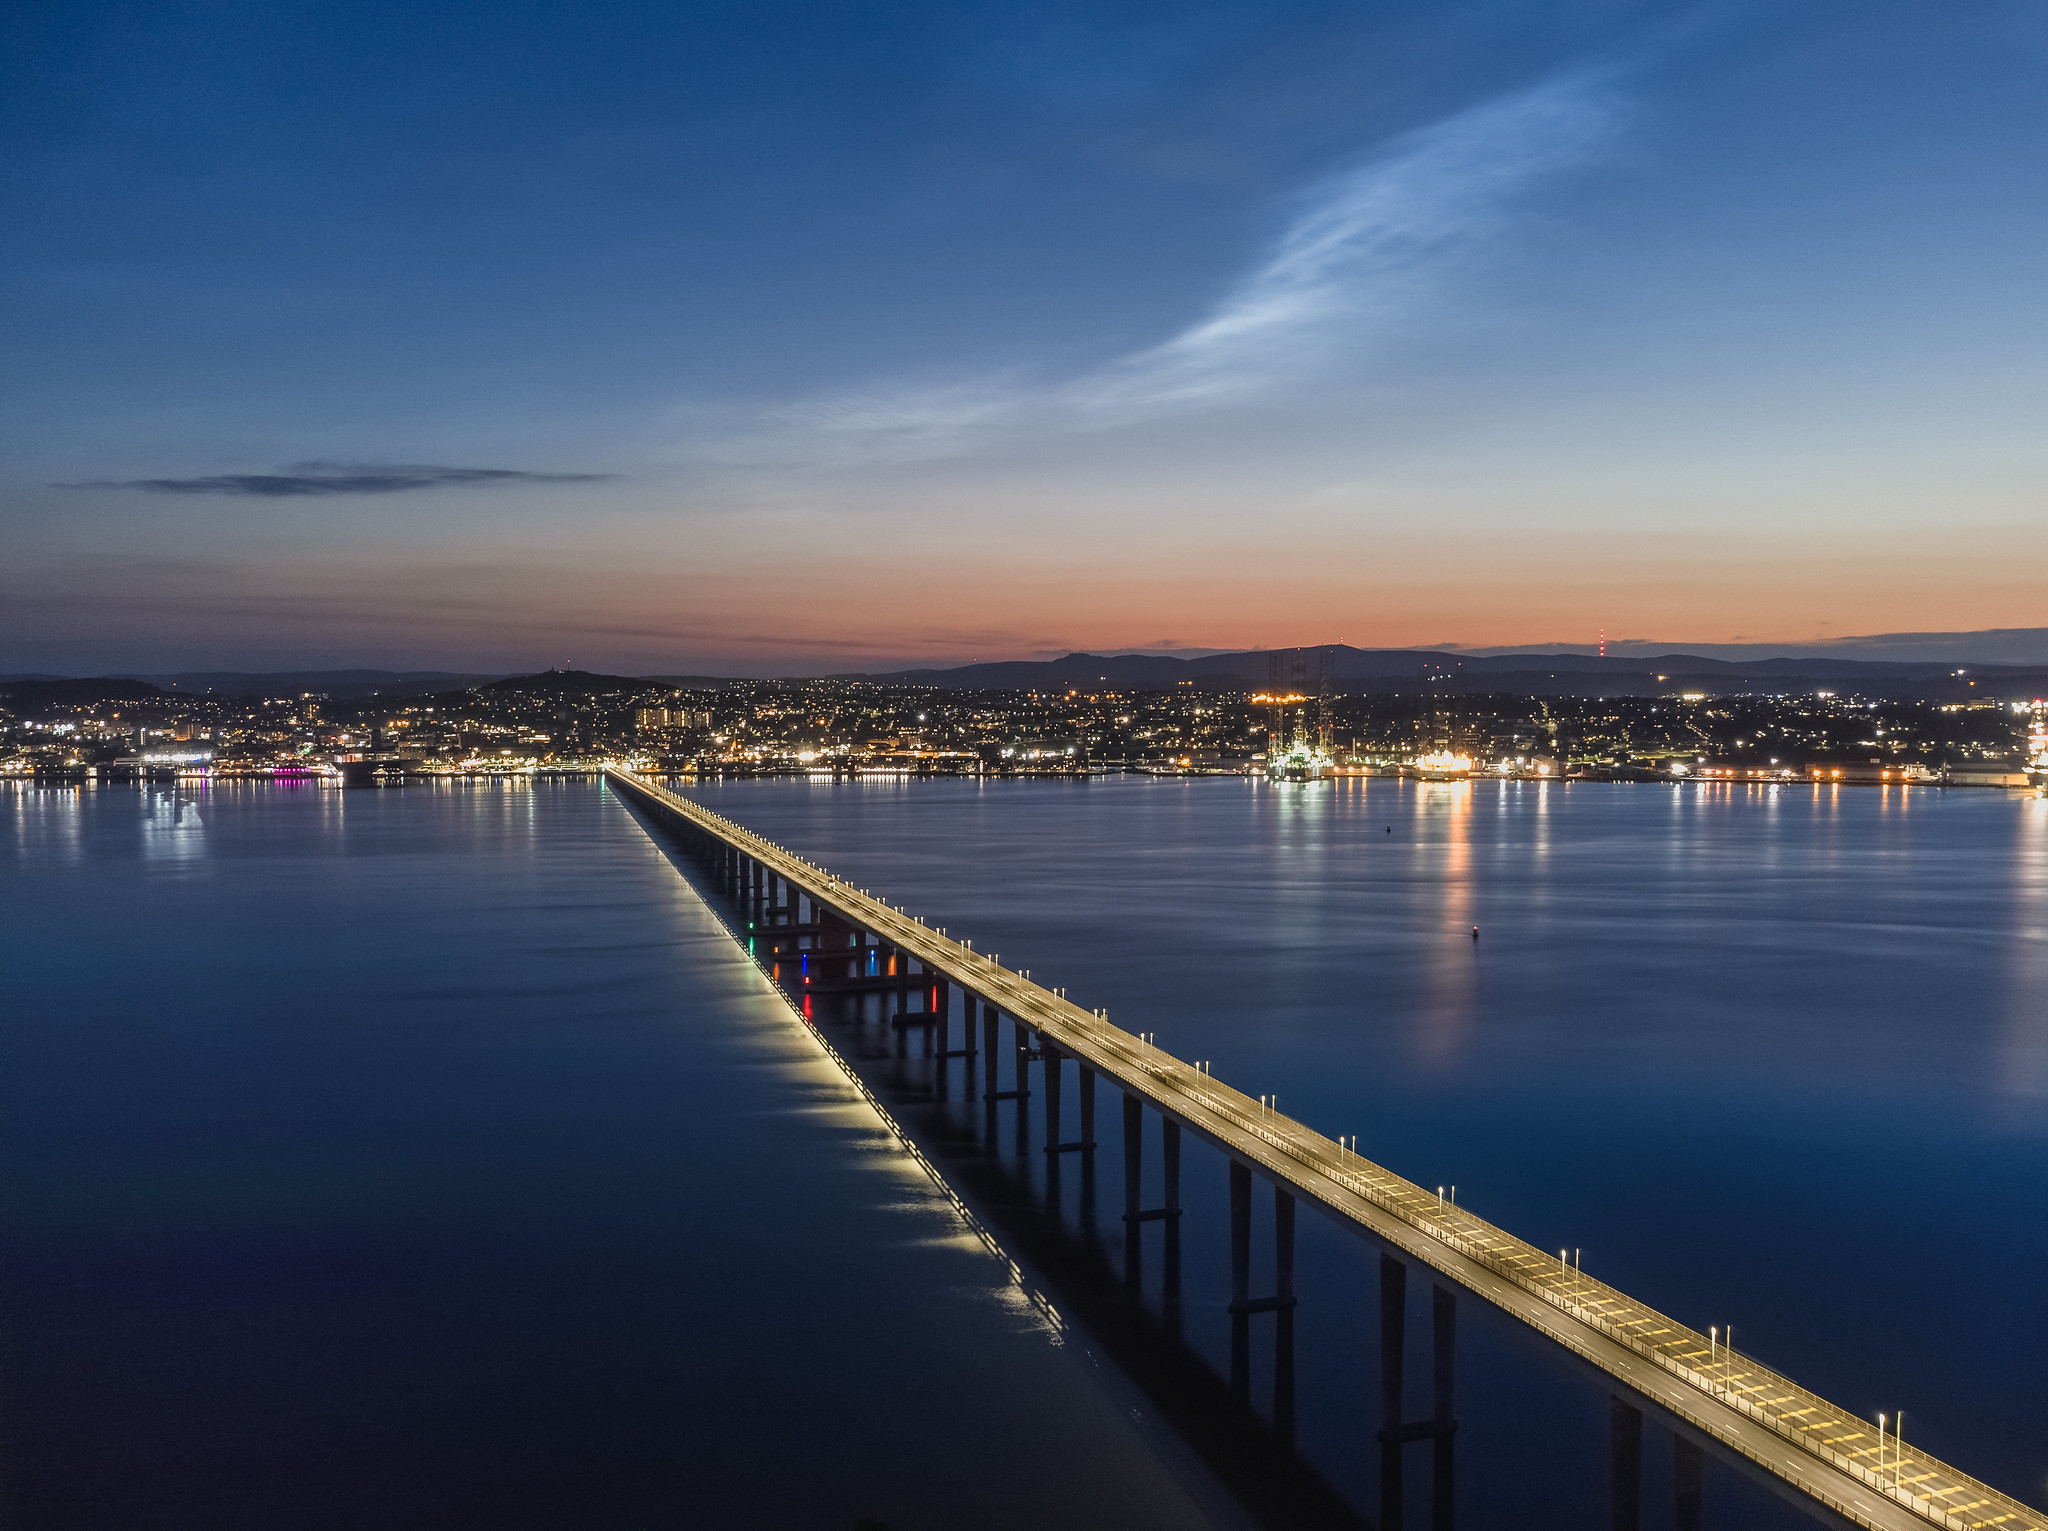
x: 1441, y: 765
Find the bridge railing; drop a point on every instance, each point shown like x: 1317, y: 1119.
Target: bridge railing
x: 1932, y: 1490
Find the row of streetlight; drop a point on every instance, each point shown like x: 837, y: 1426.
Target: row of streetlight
x: 1720, y: 1339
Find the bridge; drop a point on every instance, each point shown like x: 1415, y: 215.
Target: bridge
x: 824, y: 936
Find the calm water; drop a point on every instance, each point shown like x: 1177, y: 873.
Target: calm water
x: 1770, y: 1058
x: 431, y: 1158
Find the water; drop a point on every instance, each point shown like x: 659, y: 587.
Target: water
x: 1775, y: 1058
x: 432, y: 1158
x: 401, y: 1157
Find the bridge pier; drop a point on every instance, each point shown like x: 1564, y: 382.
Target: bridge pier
x: 1169, y: 1161
x: 1687, y: 1467
x: 1134, y: 1165
x: 1625, y: 1471
x: 1243, y: 1305
x: 991, y: 1064
x: 1625, y: 1464
x: 899, y: 965
x: 968, y: 1031
x: 1441, y: 1427
x: 1052, y: 1074
x: 1283, y: 1314
x: 1136, y: 1214
x: 1025, y: 1051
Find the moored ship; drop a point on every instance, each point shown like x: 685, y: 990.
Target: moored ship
x: 1441, y: 765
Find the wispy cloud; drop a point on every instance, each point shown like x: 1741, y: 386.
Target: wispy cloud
x: 326, y: 478
x: 1368, y: 250
x: 1368, y: 247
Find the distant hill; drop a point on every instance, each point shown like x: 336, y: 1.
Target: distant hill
x: 2024, y: 646
x: 335, y: 683
x: 1555, y: 674
x: 36, y: 697
x: 569, y: 683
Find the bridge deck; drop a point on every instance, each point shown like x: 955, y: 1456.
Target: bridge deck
x: 1823, y: 1451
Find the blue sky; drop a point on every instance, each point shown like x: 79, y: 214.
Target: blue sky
x: 788, y: 337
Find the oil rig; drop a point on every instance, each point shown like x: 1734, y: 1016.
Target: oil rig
x: 1298, y: 686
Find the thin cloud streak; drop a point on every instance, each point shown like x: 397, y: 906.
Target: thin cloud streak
x: 326, y: 478
x: 1371, y: 250
x: 1369, y: 247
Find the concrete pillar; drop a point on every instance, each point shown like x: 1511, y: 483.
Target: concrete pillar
x: 1134, y: 1155
x: 899, y: 962
x: 1022, y: 1037
x: 1240, y: 1285
x: 1687, y: 1464
x: 1393, y: 1360
x: 1134, y: 1165
x: 1444, y: 1301
x: 940, y: 998
x: 1087, y: 1106
x: 990, y: 1058
x: 1169, y: 1170
x: 1625, y: 1445
x: 1052, y: 1076
x: 1283, y: 1315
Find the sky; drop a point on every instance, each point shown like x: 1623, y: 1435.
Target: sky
x: 797, y: 338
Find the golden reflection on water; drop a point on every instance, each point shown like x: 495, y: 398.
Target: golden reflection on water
x: 2023, y: 1041
x: 1442, y: 857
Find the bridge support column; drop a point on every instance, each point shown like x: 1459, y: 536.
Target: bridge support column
x: 1393, y: 1359
x: 1240, y: 1285
x: 1021, y: 1034
x: 1087, y: 1143
x: 1053, y: 1076
x: 1625, y: 1449
x: 1134, y: 1165
x: 1442, y: 1503
x: 1169, y: 1167
x: 899, y: 964
x: 968, y: 1033
x: 1283, y: 1314
x: 1136, y: 1214
x: 1687, y: 1463
x: 991, y: 1064
x: 1440, y: 1428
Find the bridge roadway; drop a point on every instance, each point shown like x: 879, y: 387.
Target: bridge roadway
x: 1823, y: 1452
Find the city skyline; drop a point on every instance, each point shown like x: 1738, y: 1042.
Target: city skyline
x: 820, y: 341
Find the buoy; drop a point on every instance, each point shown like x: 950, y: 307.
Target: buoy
x: 1475, y: 932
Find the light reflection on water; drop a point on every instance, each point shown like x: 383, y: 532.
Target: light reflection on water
x: 1771, y: 1056
x: 435, y: 1160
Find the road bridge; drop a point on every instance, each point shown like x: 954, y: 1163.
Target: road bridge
x: 1824, y: 1454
